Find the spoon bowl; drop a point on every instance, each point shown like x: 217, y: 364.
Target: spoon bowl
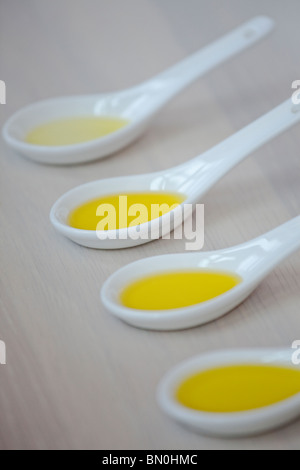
x: 179, y: 318
x: 122, y: 238
x: 237, y: 424
x: 251, y: 262
x: 119, y: 105
x: 137, y: 105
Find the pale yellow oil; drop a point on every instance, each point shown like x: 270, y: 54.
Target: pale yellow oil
x: 171, y: 290
x: 238, y: 388
x: 119, y: 211
x: 73, y: 130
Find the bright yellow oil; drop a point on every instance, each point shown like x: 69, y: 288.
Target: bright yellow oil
x: 119, y: 211
x: 171, y: 290
x: 238, y: 388
x: 73, y: 130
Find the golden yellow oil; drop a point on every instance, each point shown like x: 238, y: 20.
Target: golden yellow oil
x: 119, y: 211
x: 238, y: 388
x: 171, y: 290
x: 73, y: 130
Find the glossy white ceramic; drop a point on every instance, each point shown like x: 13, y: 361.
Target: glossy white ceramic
x: 137, y: 105
x: 193, y: 178
x: 228, y: 424
x: 252, y: 262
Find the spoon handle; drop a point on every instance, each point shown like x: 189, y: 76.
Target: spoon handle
x: 264, y: 253
x: 280, y: 242
x: 206, y: 169
x: 167, y: 84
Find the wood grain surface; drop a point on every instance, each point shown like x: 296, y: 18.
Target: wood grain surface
x: 76, y: 378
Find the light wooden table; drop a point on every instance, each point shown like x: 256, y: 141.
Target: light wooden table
x: 76, y: 377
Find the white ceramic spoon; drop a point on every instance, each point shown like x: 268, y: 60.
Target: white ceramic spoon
x: 193, y: 179
x: 137, y: 105
x: 252, y: 262
x: 229, y: 424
